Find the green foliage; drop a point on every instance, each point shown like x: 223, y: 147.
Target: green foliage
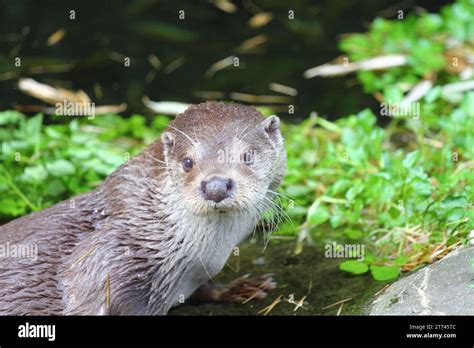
x: 354, y: 267
x: 400, y: 199
x: 405, y: 190
x: 425, y: 39
x: 44, y: 164
x: 384, y: 273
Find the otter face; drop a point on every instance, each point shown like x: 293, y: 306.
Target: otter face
x: 224, y: 158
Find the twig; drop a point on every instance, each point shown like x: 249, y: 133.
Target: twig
x: 277, y: 87
x: 268, y: 309
x: 300, y: 304
x: 376, y: 63
x: 417, y: 92
x: 381, y: 290
x: 17, y: 190
x: 219, y: 65
x: 338, y: 302
x: 457, y: 87
x: 107, y: 291
x: 83, y: 256
x: 340, y: 309
x: 250, y: 98
x: 51, y: 94
x: 166, y: 107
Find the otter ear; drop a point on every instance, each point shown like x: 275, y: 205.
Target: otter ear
x: 271, y: 125
x: 168, y: 141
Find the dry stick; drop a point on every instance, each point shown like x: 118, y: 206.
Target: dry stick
x: 155, y: 61
x: 338, y: 302
x: 381, y: 290
x: 175, y: 64
x: 83, y: 256
x: 251, y: 98
x: 417, y: 92
x: 457, y: 87
x: 340, y: 309
x: 56, y: 37
x: 267, y: 309
x: 107, y: 291
x: 253, y: 42
x: 219, y: 65
x: 260, y: 19
x: 165, y: 107
x: 251, y: 297
x: 432, y: 142
x: 278, y: 87
x: 463, y: 166
x: 224, y: 5
x: 51, y: 94
x: 376, y: 63
x: 300, y: 304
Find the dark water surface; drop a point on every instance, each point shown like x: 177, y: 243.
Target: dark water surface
x: 170, y: 57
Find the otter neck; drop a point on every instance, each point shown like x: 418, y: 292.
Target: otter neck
x: 201, y: 245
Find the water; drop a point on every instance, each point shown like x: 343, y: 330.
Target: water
x: 103, y: 33
x: 309, y: 274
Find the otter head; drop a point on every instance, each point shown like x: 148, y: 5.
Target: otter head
x: 224, y: 158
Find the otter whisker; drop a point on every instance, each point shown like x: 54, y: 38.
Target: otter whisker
x: 238, y: 136
x: 156, y: 159
x: 194, y: 143
x: 280, y: 195
x: 276, y: 219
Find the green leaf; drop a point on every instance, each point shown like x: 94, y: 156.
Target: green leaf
x: 400, y: 260
x: 34, y: 174
x: 33, y: 125
x: 453, y: 201
x: 336, y: 220
x: 296, y: 212
x: 295, y: 191
x: 354, y: 267
x: 13, y: 207
x: 60, y: 167
x: 384, y: 273
x: 468, y: 105
x: 55, y: 187
x: 317, y: 214
x: 353, y: 233
x: 433, y: 94
x: 393, y: 94
x: 410, y: 159
x: 10, y: 117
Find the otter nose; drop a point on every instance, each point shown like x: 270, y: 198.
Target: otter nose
x: 216, y: 188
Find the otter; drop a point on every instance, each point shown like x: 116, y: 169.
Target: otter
x: 158, y: 228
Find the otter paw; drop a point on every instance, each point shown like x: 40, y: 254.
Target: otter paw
x: 246, y: 288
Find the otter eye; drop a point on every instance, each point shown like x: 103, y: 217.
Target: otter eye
x: 187, y: 164
x: 248, y: 157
